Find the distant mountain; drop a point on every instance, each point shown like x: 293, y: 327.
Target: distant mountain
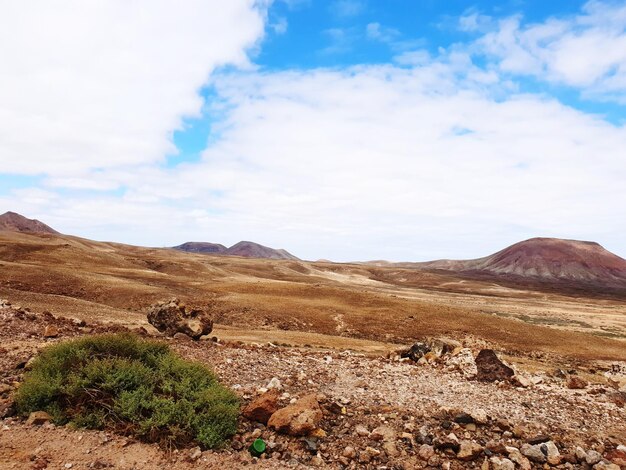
x: 243, y: 248
x: 14, y: 222
x: 254, y: 250
x: 201, y: 247
x: 547, y: 259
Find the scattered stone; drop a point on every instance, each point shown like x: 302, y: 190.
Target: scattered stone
x: 539, y: 439
x: 501, y: 463
x: 195, y: 453
x: 463, y: 361
x: 349, y: 452
x: 469, y: 450
x: 617, y: 456
x: 383, y: 433
x: 490, y: 368
x: 173, y: 317
x: 182, y: 337
x: 533, y: 452
x: 298, y: 419
x: 37, y: 418
x: 593, y: 457
x: 262, y: 408
x: 51, y: 331
x: 516, y: 456
x: 575, y: 383
x: 426, y: 451
x: 361, y: 431
x: 606, y: 466
x: 463, y: 418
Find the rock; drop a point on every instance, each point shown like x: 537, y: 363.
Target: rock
x: 368, y: 454
x: 533, y: 452
x: 361, y: 430
x: 182, y: 337
x: 298, y: 419
x: 463, y: 418
x: 516, y: 456
x: 463, y: 361
x: 195, y: 453
x: 391, y: 449
x: 490, y: 368
x: 383, y: 433
x: 501, y: 463
x: 552, y: 453
x: 426, y: 452
x: 416, y: 352
x: 617, y: 456
x: 469, y: 450
x: 593, y: 457
x: 317, y: 461
x: 543, y: 452
x: 51, y: 331
x: 575, y: 383
x: 262, y: 408
x: 539, y: 439
x: 172, y: 317
x: 606, y: 466
x: 521, y: 381
x: 37, y: 418
x: 274, y: 384
x: 349, y: 452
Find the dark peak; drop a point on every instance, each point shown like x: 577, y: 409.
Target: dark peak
x: 14, y: 222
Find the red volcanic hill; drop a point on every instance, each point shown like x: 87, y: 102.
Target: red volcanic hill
x: 201, y: 247
x: 14, y: 222
x: 243, y: 248
x: 254, y: 250
x: 547, y: 259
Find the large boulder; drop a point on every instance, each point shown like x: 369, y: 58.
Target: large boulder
x: 299, y: 419
x: 172, y: 317
x: 490, y: 368
x: 263, y: 407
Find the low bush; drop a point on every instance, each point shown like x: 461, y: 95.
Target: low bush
x: 132, y: 386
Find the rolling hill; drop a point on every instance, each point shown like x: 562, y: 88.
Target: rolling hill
x: 549, y: 260
x: 14, y: 222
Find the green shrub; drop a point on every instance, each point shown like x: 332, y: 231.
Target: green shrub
x: 131, y: 386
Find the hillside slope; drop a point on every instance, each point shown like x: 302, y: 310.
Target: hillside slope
x: 14, y: 222
x: 547, y: 259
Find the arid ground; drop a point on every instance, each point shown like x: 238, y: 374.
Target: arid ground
x: 329, y: 329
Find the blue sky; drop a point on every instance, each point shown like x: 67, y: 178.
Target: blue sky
x: 340, y: 129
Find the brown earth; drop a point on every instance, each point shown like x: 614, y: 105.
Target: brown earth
x: 390, y: 413
x: 113, y: 282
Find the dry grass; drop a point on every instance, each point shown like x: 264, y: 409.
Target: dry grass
x: 107, y: 281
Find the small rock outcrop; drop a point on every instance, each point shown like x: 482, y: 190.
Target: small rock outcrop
x: 263, y: 407
x: 299, y: 419
x: 173, y: 317
x: 490, y: 368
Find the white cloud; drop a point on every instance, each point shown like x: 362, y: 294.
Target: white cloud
x: 347, y: 8
x: 420, y: 160
x: 381, y: 33
x: 103, y: 84
x: 586, y: 51
x: 382, y: 161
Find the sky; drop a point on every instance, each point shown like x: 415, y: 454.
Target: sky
x: 340, y: 129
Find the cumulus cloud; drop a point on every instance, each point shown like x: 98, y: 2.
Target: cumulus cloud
x: 98, y: 85
x: 587, y: 51
x: 432, y: 157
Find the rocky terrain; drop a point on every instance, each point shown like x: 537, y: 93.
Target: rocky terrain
x: 439, y: 406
